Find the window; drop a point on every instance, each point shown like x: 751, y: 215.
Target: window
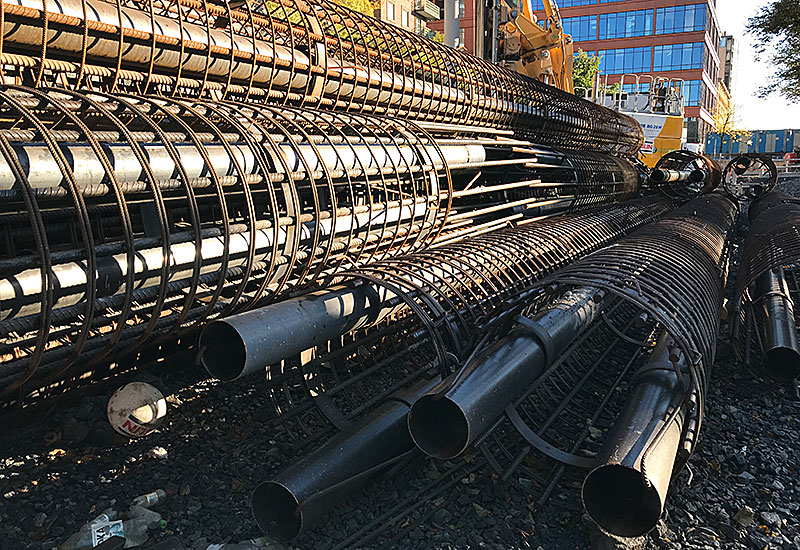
x: 461, y: 9
x: 691, y: 92
x: 681, y: 19
x: 630, y: 87
x: 389, y: 11
x: 626, y: 24
x: 581, y: 28
x: 625, y: 60
x: 461, y: 36
x: 405, y: 19
x: 573, y: 3
x: 678, y: 56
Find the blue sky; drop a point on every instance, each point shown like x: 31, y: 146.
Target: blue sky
x: 753, y: 113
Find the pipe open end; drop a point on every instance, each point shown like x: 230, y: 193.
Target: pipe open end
x: 618, y: 500
x: 223, y: 352
x: 697, y: 175
x: 275, y: 510
x: 782, y: 363
x: 438, y: 427
x: 658, y: 176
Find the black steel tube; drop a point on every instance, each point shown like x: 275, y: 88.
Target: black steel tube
x: 625, y: 495
x: 240, y: 345
x: 663, y: 175
x: 245, y: 343
x: 775, y: 310
x: 300, y: 495
x: 446, y: 421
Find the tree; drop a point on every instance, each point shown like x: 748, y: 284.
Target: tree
x: 364, y: 6
x: 725, y: 121
x: 584, y: 69
x: 777, y: 28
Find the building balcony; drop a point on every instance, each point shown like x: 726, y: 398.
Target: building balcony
x: 426, y: 10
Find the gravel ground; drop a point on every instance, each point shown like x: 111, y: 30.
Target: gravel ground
x: 59, y: 470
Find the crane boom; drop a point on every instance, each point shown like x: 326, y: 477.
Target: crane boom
x: 541, y: 52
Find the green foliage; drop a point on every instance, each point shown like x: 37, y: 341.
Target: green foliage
x: 363, y: 6
x: 584, y: 68
x: 777, y: 28
x: 437, y: 37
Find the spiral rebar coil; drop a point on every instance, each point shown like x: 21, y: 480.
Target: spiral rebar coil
x: 674, y: 271
x: 686, y: 189
x: 453, y: 294
x: 291, y: 52
x: 773, y: 239
x: 276, y: 197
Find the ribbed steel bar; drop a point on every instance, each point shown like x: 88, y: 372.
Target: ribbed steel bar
x: 772, y: 240
x: 290, y: 51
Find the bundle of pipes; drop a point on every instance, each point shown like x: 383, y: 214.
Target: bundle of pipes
x: 129, y: 217
x: 683, y: 175
x: 671, y: 272
x: 768, y: 286
x: 452, y: 288
x: 446, y: 418
x: 461, y: 285
x: 311, y: 53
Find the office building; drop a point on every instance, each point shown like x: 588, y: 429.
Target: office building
x: 672, y: 39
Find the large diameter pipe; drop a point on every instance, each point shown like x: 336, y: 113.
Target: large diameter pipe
x: 299, y: 496
x: 446, y: 421
x: 240, y: 345
x: 775, y: 310
x: 664, y: 175
x: 625, y: 495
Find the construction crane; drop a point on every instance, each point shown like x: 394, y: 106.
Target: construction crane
x: 541, y: 52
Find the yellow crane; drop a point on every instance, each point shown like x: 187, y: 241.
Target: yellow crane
x: 544, y: 51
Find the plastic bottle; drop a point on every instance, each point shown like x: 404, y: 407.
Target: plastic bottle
x: 150, y: 499
x: 153, y: 519
x: 135, y: 532
x: 82, y: 539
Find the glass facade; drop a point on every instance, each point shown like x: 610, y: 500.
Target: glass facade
x: 630, y: 88
x: 676, y: 57
x: 581, y: 28
x: 573, y: 3
x: 626, y: 24
x: 691, y: 92
x: 681, y: 19
x: 625, y: 60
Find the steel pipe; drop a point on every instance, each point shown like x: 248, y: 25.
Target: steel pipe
x: 455, y: 413
x: 477, y: 270
x: 663, y: 175
x: 775, y: 313
x: 301, y: 495
x: 683, y: 175
x: 626, y: 493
